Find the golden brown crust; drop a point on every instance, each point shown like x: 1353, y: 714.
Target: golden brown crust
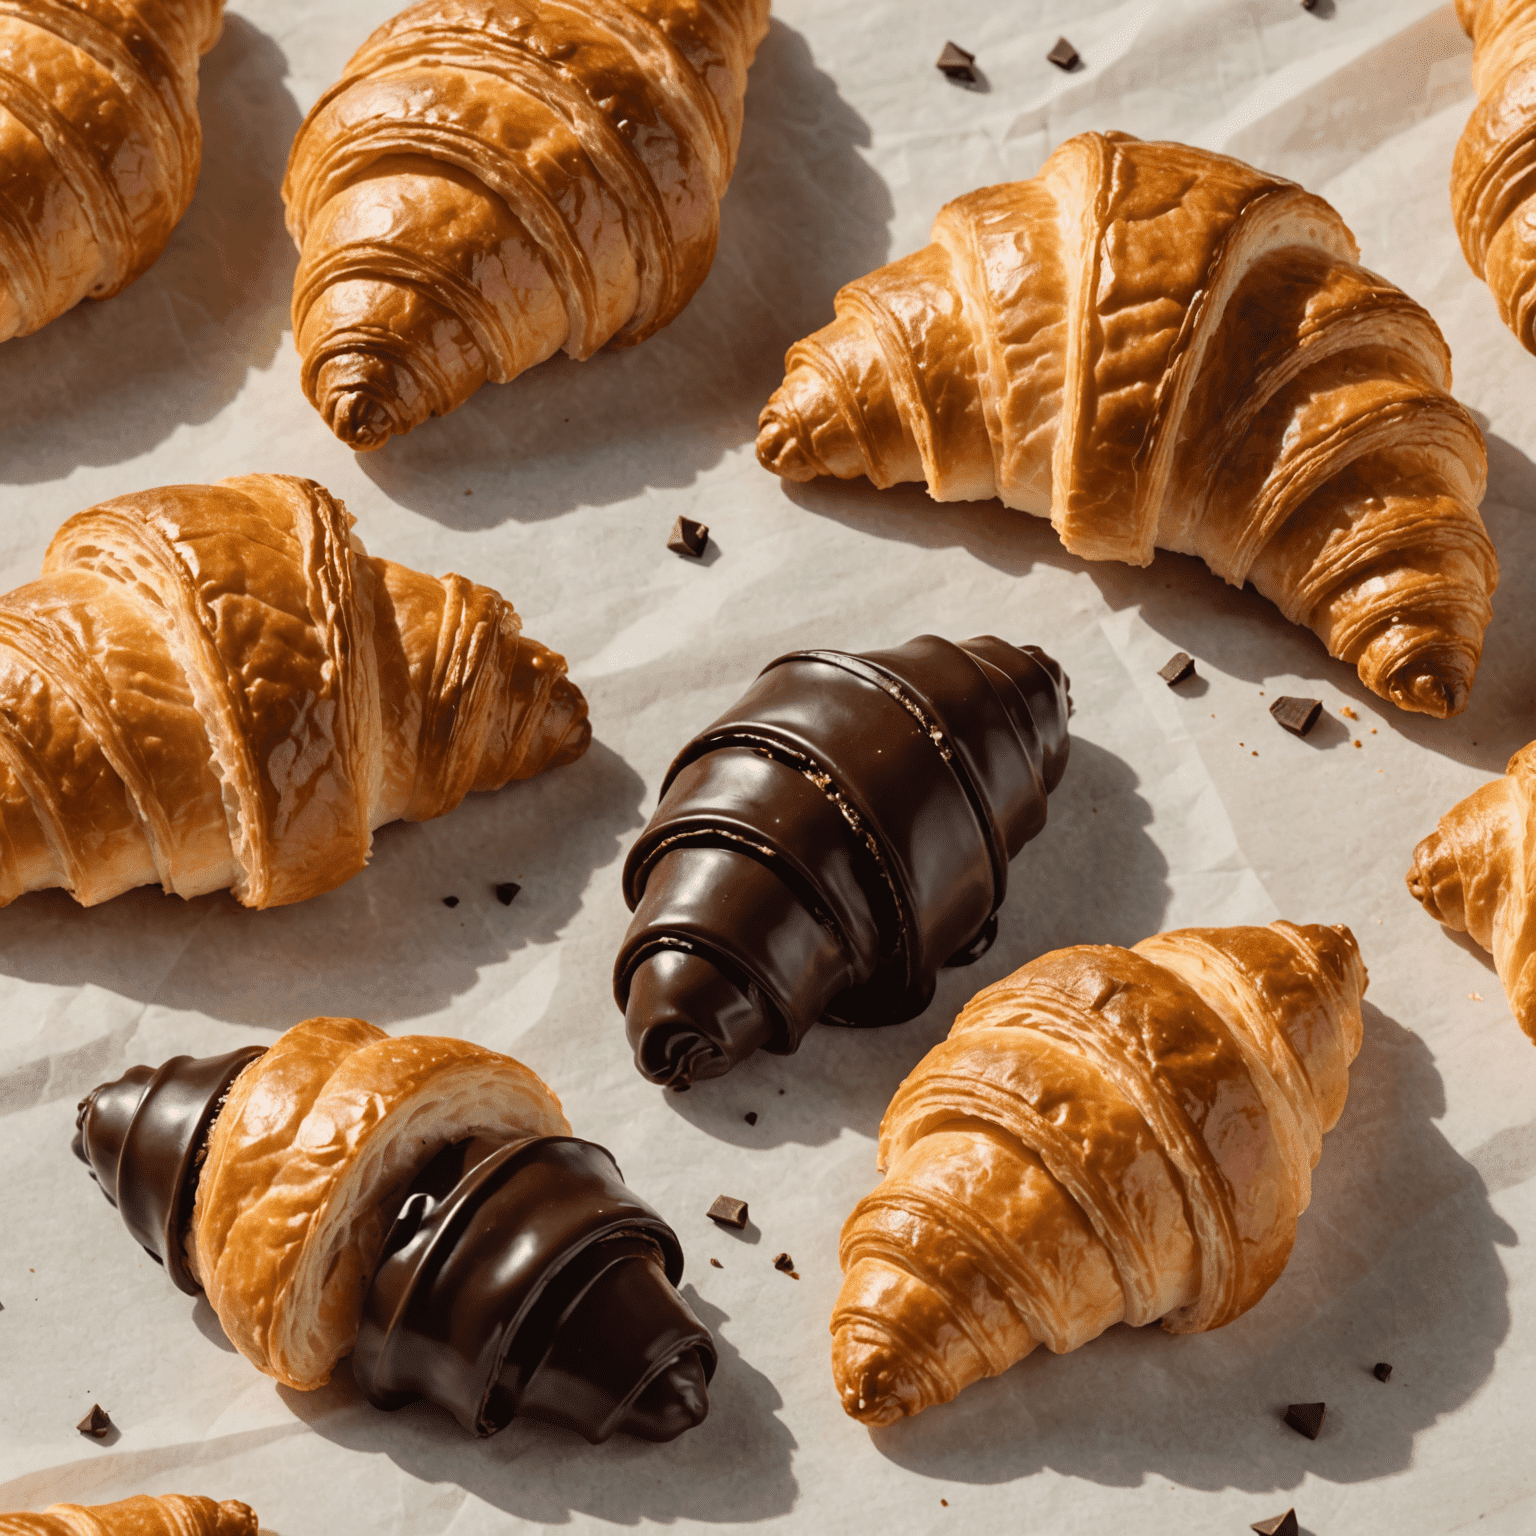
x: 172, y: 1514
x: 487, y: 184
x: 1162, y: 348
x: 215, y: 686
x: 1476, y: 873
x: 1106, y: 1135
x: 308, y: 1162
x: 99, y: 145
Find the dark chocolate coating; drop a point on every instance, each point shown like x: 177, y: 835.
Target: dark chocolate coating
x: 141, y: 1137
x: 519, y: 1279
x: 577, y: 1322
x: 830, y: 843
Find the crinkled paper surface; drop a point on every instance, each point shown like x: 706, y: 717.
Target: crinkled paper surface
x: 1192, y: 807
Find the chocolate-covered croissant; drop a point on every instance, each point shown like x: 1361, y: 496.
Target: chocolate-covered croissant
x: 415, y: 1201
x: 830, y: 843
x: 172, y: 1514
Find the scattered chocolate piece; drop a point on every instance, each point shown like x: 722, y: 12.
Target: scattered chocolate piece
x: 1180, y: 666
x: 717, y: 1264
x: 728, y: 1212
x: 750, y: 1117
x: 1383, y: 1371
x: 1306, y: 1419
x: 688, y: 537
x: 956, y: 64
x: 96, y: 1423
x: 450, y: 901
x: 1280, y: 1525
x: 785, y: 1265
x: 1298, y: 716
x: 1306, y: 5
x: 1064, y: 55
x: 506, y: 891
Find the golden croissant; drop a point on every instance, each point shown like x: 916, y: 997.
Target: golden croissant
x: 100, y: 145
x: 1492, y: 198
x: 216, y: 686
x: 1107, y: 1135
x: 490, y: 182
x: 1476, y: 873
x: 1159, y: 347
x: 173, y: 1514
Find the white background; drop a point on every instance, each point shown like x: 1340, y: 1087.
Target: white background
x: 1417, y: 1247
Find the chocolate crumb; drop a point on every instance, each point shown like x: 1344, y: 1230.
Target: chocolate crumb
x: 1383, y: 1371
x: 954, y: 63
x: 1179, y: 667
x: 1306, y: 5
x: 1064, y: 56
x: 688, y: 537
x: 1279, y: 1525
x: 1298, y: 716
x: 717, y: 1264
x: 1306, y: 1418
x: 506, y: 891
x: 728, y: 1212
x: 96, y: 1423
x: 450, y: 901
x: 785, y: 1265
x: 750, y: 1117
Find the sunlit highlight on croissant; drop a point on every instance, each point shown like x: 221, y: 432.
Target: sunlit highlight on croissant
x: 1107, y: 1135
x: 216, y: 686
x: 491, y: 182
x: 1159, y: 347
x: 172, y: 1514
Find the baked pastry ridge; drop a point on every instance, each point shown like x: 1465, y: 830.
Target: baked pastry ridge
x: 171, y: 1514
x: 1107, y: 1135
x: 1162, y: 348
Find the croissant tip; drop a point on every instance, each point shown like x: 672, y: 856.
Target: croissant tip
x: 1424, y: 688
x: 360, y: 421
x: 780, y: 449
x: 872, y: 1381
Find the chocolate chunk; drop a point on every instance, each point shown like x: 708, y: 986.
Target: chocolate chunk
x: 507, y: 891
x: 450, y: 901
x: 1064, y: 55
x: 716, y: 1264
x: 1279, y: 1525
x: 1180, y: 666
x: 1306, y: 5
x: 728, y: 1212
x: 1306, y: 1418
x: 1298, y: 716
x: 785, y: 1265
x: 956, y: 64
x: 750, y: 1117
x: 96, y: 1423
x: 1383, y: 1371
x: 688, y: 537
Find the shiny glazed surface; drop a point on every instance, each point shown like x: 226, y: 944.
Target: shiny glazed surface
x: 171, y: 1514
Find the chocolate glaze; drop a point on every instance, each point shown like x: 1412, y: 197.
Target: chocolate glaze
x: 519, y: 1279
x: 830, y: 843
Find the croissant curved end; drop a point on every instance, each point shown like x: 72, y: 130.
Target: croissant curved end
x: 359, y: 420
x: 1422, y: 883
x: 1432, y: 685
x: 876, y: 1384
x: 780, y: 448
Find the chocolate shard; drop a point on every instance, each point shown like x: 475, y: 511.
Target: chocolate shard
x: 1064, y: 56
x: 506, y: 892
x: 1298, y: 716
x: 688, y: 537
x: 1309, y: 5
x: 1383, y: 1371
x: 716, y: 1264
x: 830, y: 843
x: 957, y: 64
x: 142, y: 1137
x: 785, y: 1265
x: 525, y: 1280
x: 1278, y: 1525
x: 728, y: 1212
x: 1306, y: 1418
x: 450, y: 901
x: 1179, y: 667
x: 96, y: 1423
x: 750, y: 1117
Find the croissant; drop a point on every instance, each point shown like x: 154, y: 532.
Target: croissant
x: 216, y: 686
x: 490, y: 182
x: 830, y: 842
x: 100, y: 145
x: 1107, y: 1135
x: 1156, y: 346
x: 1476, y: 873
x: 1491, y: 195
x: 418, y: 1202
x: 172, y: 1514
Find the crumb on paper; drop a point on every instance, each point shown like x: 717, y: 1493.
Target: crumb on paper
x: 1476, y: 997
x: 1348, y: 713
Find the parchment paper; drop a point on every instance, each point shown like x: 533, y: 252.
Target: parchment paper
x: 560, y: 490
